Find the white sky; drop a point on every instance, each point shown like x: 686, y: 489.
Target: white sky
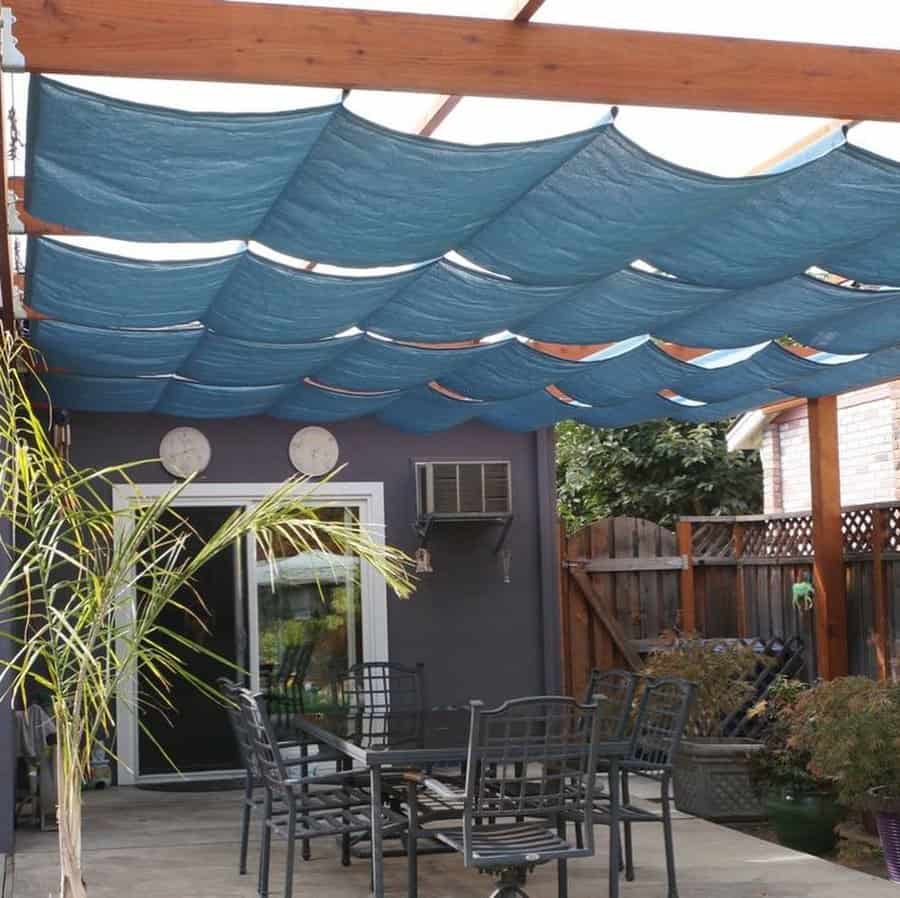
x: 720, y: 143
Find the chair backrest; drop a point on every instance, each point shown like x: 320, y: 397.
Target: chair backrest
x: 614, y: 690
x: 661, y: 718
x: 530, y: 757
x: 231, y: 693
x: 269, y: 763
x: 383, y: 686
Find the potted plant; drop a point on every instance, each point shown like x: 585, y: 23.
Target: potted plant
x: 850, y: 728
x: 73, y: 572
x: 712, y: 772
x: 801, y: 806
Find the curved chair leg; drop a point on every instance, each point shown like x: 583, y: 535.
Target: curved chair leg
x: 629, y: 853
x: 667, y: 835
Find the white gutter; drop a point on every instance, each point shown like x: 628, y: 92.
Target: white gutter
x: 747, y: 431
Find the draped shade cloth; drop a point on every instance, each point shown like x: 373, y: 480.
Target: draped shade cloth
x: 553, y: 228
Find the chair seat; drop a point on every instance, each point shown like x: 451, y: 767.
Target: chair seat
x: 506, y: 844
x: 335, y: 821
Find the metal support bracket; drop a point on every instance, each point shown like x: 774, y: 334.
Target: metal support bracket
x: 503, y: 534
x: 11, y: 57
x: 423, y: 526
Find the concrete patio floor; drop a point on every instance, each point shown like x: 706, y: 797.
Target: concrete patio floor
x: 184, y: 845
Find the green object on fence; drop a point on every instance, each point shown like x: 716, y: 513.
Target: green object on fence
x: 803, y: 593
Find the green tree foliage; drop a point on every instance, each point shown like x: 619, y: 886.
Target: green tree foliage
x: 658, y: 471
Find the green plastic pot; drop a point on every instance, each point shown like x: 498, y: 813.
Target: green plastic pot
x: 804, y: 821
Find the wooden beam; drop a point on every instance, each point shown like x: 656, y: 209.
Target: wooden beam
x: 879, y: 597
x: 828, y: 547
x: 740, y: 598
x: 687, y: 598
x: 215, y: 40
x: 799, y: 146
x: 618, y: 565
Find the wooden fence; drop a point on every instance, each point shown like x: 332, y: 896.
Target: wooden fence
x: 625, y: 581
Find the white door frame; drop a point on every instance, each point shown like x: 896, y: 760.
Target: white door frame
x: 368, y: 497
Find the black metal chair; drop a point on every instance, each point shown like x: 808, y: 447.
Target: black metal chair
x: 381, y: 686
x: 301, y: 808
x: 614, y: 690
x: 662, y: 713
x: 523, y: 760
x: 252, y: 782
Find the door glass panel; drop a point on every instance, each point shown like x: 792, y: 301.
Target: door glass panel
x: 310, y: 627
x: 196, y: 735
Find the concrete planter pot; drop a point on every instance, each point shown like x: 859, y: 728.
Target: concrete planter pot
x: 712, y: 780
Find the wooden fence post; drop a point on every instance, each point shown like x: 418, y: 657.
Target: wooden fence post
x: 687, y: 599
x: 879, y: 597
x: 740, y: 600
x: 828, y: 543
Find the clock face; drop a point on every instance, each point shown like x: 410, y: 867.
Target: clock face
x: 313, y: 451
x: 184, y: 451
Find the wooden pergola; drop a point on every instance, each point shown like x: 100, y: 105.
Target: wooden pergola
x: 216, y: 40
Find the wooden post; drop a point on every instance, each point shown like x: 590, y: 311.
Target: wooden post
x: 740, y: 600
x: 828, y: 546
x: 687, y: 599
x: 879, y: 595
x: 565, y: 653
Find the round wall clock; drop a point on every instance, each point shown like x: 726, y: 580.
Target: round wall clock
x: 313, y: 451
x: 184, y: 451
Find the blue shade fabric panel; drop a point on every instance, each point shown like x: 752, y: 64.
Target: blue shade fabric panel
x: 375, y: 365
x: 121, y: 169
x: 194, y: 373
x: 112, y: 353
x: 326, y: 185
x: 229, y: 362
x: 366, y: 193
x: 557, y: 223
x: 304, y: 402
x: 103, y: 290
x: 247, y: 296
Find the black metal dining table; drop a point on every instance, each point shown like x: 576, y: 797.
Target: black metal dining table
x: 418, y: 739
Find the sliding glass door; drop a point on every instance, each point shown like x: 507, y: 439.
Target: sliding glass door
x: 288, y: 629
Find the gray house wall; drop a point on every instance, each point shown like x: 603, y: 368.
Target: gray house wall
x: 478, y: 636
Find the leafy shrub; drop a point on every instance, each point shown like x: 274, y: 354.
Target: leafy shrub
x: 850, y: 730
x: 721, y: 673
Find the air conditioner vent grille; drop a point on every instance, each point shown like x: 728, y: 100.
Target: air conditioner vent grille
x: 463, y: 488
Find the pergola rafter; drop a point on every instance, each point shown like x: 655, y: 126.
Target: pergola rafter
x: 277, y: 44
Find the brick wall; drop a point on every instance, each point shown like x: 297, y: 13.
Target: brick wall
x: 869, y: 434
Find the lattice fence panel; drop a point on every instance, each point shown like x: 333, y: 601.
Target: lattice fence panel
x: 713, y: 539
x: 892, y: 529
x: 857, y: 530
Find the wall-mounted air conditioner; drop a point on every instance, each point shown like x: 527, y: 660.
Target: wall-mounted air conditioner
x: 463, y: 489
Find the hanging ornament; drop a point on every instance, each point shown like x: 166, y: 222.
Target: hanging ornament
x: 423, y: 561
x: 506, y: 561
x: 62, y: 432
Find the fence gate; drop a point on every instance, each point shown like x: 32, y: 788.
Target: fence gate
x: 618, y: 586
